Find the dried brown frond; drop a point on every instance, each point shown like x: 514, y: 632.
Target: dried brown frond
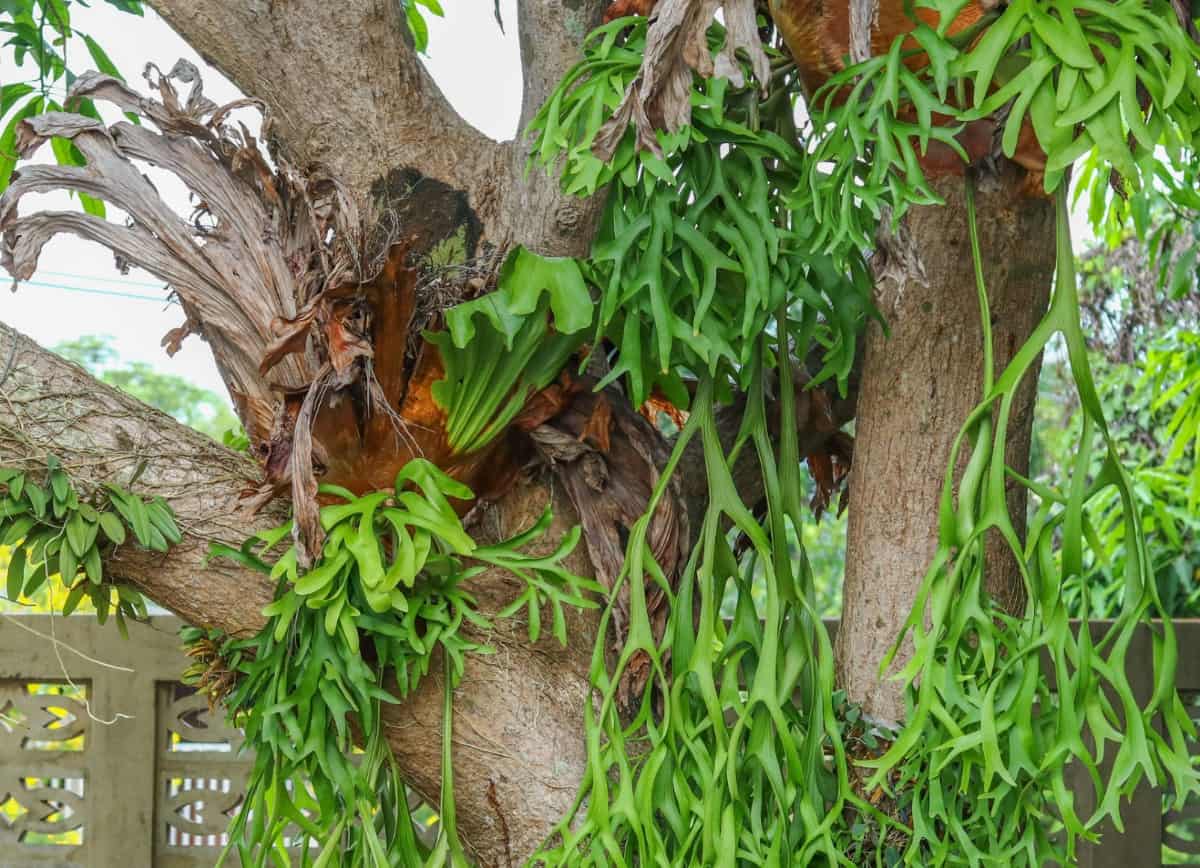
x: 209, y: 672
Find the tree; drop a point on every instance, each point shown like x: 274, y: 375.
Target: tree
x: 193, y: 406
x: 409, y: 315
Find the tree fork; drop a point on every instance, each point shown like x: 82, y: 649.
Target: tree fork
x: 519, y: 747
x: 346, y: 91
x: 519, y: 730
x: 919, y: 383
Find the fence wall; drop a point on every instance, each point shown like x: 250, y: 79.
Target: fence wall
x: 150, y: 778
x: 146, y: 779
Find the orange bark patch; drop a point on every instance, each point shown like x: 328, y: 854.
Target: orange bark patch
x: 622, y: 8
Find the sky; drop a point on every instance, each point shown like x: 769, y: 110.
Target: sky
x: 78, y: 290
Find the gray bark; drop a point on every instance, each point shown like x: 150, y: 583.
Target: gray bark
x: 348, y: 97
x: 345, y: 88
x: 347, y: 92
x: 918, y: 386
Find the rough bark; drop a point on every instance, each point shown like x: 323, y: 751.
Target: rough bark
x: 49, y: 406
x: 518, y: 722
x: 918, y: 386
x: 347, y: 98
x: 530, y: 208
x: 344, y: 85
x: 347, y: 93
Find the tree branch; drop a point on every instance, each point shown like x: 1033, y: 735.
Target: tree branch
x: 347, y: 92
x: 551, y: 35
x: 531, y: 209
x: 344, y: 83
x: 49, y: 406
x: 920, y: 381
x: 518, y: 715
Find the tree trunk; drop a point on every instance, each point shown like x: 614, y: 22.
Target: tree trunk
x: 348, y: 98
x: 518, y: 715
x: 918, y: 386
x: 347, y: 94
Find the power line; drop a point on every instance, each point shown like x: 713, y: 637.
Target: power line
x: 96, y: 291
x: 125, y: 280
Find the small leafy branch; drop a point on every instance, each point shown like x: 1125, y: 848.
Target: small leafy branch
x: 52, y: 529
x: 389, y: 590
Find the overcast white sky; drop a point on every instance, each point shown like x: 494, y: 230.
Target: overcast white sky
x: 77, y: 289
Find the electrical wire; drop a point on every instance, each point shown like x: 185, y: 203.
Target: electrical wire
x: 112, y: 293
x: 153, y: 284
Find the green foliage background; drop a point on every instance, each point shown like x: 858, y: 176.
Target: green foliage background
x: 198, y: 408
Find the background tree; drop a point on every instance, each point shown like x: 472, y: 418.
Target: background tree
x: 193, y: 406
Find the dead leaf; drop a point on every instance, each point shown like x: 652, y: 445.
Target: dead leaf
x: 820, y: 465
x: 240, y: 262
x: 392, y: 295
x: 610, y: 492
x: 624, y: 8
x: 659, y: 403
x: 419, y: 406
x: 547, y: 403
x: 291, y: 336
x: 306, y: 528
x: 677, y: 47
x: 344, y: 347
x: 173, y: 340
